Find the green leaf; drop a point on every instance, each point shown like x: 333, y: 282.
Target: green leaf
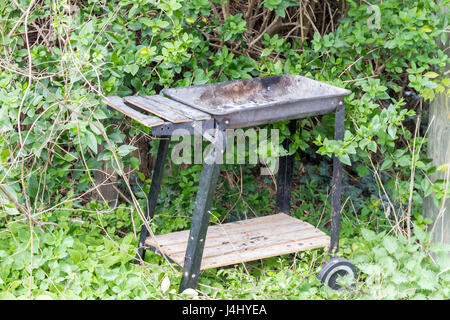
x: 190, y: 292
x: 419, y: 233
x: 404, y: 161
x: 368, y: 235
x: 431, y: 75
x: 111, y: 260
x: 390, y: 244
x: 392, y: 130
x: 75, y: 255
x: 87, y: 29
x: 134, y: 163
x: 7, y: 296
x: 132, y: 68
x: 165, y: 284
x: 345, y: 159
x: 370, y: 269
x: 91, y: 141
x: 372, y: 146
x: 399, y: 277
x: 362, y: 170
x: 387, y: 163
x: 111, y: 275
x: 125, y: 149
x: 95, y: 129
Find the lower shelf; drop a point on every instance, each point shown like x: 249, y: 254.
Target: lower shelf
x: 242, y: 241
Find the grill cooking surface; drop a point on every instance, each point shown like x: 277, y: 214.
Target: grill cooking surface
x: 239, y: 95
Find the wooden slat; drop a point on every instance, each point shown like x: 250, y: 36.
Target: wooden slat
x: 264, y: 252
x: 159, y: 110
x: 245, y: 240
x: 118, y: 104
x: 178, y: 107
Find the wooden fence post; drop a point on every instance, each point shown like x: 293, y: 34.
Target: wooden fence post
x: 439, y: 151
x: 105, y: 188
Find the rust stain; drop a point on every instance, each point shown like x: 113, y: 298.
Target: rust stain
x: 247, y: 92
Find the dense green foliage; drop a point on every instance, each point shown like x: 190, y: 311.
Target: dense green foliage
x: 58, y: 58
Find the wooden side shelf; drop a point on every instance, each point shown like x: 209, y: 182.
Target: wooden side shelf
x: 246, y: 240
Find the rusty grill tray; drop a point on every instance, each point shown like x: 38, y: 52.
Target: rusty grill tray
x: 300, y: 95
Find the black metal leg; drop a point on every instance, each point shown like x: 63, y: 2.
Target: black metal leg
x: 284, y: 178
x: 200, y: 221
x: 199, y: 226
x: 155, y: 187
x: 336, y: 183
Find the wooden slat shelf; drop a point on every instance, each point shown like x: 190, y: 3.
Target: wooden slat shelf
x: 246, y: 240
x: 180, y: 108
x: 118, y: 104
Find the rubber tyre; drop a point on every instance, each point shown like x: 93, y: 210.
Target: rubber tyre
x: 333, y: 269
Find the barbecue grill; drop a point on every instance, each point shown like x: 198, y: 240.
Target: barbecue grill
x: 238, y: 104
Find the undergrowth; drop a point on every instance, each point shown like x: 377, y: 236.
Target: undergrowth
x: 58, y: 58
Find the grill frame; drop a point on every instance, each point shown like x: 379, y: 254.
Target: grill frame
x: 288, y: 109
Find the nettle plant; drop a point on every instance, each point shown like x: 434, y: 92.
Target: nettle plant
x: 398, y: 268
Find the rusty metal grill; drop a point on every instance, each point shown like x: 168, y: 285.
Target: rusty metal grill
x: 249, y: 102
x: 237, y: 104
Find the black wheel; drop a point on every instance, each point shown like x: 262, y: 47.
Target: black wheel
x: 333, y: 269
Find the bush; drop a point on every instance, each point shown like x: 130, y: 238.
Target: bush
x: 59, y: 58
